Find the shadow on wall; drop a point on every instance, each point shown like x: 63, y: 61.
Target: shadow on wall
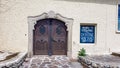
x: 110, y: 2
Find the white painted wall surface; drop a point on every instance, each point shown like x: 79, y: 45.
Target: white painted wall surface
x: 14, y: 23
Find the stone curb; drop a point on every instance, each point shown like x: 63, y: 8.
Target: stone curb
x: 15, y: 62
x: 88, y: 62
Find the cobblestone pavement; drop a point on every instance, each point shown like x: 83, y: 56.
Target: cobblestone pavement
x: 47, y: 62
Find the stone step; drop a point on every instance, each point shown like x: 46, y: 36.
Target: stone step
x: 48, y: 62
x: 116, y: 54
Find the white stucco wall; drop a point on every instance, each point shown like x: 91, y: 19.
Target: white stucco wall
x: 14, y: 26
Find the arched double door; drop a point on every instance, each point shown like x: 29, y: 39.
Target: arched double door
x: 50, y: 37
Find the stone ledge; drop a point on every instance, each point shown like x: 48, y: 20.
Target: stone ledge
x: 14, y: 62
x: 89, y: 63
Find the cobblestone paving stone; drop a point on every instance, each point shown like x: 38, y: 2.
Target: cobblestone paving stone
x: 47, y: 62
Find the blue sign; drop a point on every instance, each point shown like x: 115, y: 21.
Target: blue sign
x: 87, y: 34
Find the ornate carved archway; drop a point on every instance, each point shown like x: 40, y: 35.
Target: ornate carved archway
x: 32, y: 20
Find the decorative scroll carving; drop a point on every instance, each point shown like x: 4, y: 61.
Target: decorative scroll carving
x: 58, y: 30
x: 42, y: 29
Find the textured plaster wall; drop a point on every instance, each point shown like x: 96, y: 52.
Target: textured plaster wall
x: 14, y: 26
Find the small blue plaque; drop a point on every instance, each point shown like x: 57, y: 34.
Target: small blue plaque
x: 87, y: 34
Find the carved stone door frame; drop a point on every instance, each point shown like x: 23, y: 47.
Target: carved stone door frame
x: 32, y: 20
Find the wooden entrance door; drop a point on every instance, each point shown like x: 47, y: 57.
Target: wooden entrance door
x: 50, y: 37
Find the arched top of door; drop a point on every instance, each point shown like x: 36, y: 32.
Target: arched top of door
x: 50, y: 15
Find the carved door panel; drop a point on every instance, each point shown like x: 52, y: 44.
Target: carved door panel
x: 41, y: 38
x: 50, y: 37
x: 59, y: 34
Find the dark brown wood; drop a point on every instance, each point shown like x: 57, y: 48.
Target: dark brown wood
x: 59, y: 41
x: 50, y: 37
x: 40, y: 46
